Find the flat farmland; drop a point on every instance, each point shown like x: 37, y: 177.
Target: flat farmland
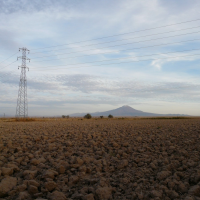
x: 100, y: 159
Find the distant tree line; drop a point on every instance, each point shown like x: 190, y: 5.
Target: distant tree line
x: 65, y: 116
x: 89, y: 116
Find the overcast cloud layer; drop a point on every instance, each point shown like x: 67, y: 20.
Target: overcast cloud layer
x: 156, y: 70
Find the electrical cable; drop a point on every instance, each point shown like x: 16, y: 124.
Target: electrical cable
x: 8, y: 65
x: 122, y: 50
x: 117, y: 45
x: 120, y: 34
x: 123, y: 62
x: 116, y: 40
x: 123, y: 58
x: 9, y: 57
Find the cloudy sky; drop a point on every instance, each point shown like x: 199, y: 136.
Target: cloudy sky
x: 89, y: 56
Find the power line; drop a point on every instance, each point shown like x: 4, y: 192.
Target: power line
x: 103, y: 53
x: 124, y: 62
x: 9, y: 57
x: 8, y: 65
x: 125, y: 58
x: 120, y: 34
x: 123, y: 50
x: 117, y: 40
x: 118, y: 45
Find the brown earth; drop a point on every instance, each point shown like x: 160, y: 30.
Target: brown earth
x: 100, y: 159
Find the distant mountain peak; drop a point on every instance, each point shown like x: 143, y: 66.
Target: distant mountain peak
x: 125, y: 110
x: 126, y: 106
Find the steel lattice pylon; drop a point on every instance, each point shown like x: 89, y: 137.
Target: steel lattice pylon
x: 22, y: 103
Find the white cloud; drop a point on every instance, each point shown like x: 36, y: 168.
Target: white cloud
x: 176, y: 57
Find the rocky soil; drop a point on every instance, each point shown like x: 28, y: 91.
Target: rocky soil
x: 100, y: 159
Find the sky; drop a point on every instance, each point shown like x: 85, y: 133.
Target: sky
x: 89, y: 56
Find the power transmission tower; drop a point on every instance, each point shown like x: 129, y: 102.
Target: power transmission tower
x: 22, y: 103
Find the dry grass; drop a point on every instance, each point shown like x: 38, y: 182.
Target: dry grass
x: 31, y: 119
x: 25, y: 119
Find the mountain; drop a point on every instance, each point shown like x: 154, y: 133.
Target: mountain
x: 124, y: 111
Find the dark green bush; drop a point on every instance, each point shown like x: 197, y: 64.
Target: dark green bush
x: 88, y: 116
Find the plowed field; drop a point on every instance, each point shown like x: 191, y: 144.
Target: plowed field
x: 100, y: 159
